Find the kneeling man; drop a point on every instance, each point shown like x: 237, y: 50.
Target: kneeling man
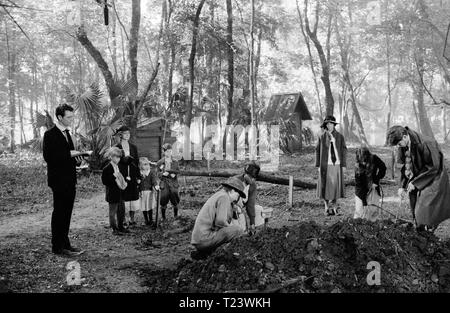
x: 212, y: 227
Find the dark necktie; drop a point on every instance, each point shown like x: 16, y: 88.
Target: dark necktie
x: 333, y: 154
x: 69, y: 140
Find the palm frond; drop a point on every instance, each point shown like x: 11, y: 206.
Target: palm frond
x: 127, y: 88
x: 90, y: 105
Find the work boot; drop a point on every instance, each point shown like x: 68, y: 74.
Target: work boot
x: 163, y: 213
x: 175, y: 211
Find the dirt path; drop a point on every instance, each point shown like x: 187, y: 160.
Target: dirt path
x: 110, y: 264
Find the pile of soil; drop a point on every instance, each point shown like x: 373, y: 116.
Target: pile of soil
x: 317, y: 258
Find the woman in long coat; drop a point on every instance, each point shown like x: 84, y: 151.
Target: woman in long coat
x: 331, y: 155
x: 423, y: 175
x: 129, y: 167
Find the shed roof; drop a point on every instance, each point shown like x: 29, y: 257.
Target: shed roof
x: 284, y: 105
x: 145, y: 121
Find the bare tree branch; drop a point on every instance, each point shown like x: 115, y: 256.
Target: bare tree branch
x: 15, y: 22
x: 120, y: 22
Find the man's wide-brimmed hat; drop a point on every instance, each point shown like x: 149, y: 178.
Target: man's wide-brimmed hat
x: 329, y: 119
x: 236, y: 184
x: 122, y: 129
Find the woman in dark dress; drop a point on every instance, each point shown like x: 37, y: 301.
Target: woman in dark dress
x: 129, y: 167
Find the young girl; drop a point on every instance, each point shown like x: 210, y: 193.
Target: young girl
x: 148, y: 182
x: 115, y: 184
x: 369, y: 170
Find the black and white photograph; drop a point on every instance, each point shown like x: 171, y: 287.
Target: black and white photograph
x: 224, y: 154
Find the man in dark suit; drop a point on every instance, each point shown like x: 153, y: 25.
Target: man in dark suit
x: 62, y: 158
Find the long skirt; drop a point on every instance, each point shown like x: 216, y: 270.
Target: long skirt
x: 334, y: 185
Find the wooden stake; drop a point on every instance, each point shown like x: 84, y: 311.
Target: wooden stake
x: 291, y: 189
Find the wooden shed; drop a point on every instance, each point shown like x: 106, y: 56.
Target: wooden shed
x: 149, y: 137
x: 289, y: 107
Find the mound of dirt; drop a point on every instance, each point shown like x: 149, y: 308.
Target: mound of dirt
x: 311, y: 258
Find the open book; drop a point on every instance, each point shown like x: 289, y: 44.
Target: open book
x: 83, y: 153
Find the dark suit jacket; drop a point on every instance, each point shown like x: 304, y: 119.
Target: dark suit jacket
x: 61, y: 167
x: 113, y: 192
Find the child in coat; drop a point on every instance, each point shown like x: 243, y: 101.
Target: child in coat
x: 115, y: 183
x: 148, y: 185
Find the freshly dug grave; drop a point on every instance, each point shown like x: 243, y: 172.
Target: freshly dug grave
x: 317, y: 259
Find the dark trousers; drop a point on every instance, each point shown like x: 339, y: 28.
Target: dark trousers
x: 63, y: 199
x: 116, y: 210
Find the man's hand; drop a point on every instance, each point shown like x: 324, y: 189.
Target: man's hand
x: 401, y: 192
x: 166, y: 174
x: 79, y: 160
x: 157, y: 187
x: 411, y: 187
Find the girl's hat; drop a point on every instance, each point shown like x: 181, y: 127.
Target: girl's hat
x: 329, y: 119
x: 122, y: 129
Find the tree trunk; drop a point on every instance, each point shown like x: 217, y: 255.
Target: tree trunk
x: 101, y: 63
x: 230, y: 53
x: 251, y: 63
x: 192, y: 61
x: 388, y: 61
x: 114, y: 43
x: 11, y: 55
x: 345, y: 64
x: 134, y: 39
x: 311, y: 64
x: 21, y: 113
x: 323, y: 59
x: 425, y: 126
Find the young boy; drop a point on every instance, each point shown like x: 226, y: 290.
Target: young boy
x: 115, y: 184
x: 169, y: 181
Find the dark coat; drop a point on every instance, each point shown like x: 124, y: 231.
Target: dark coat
x: 129, y: 168
x: 61, y: 167
x: 113, y: 193
x: 363, y: 182
x: 168, y: 181
x: 322, y: 156
x: 430, y: 203
x: 250, y: 202
x: 148, y: 182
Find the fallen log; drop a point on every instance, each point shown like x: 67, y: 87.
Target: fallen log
x: 263, y: 177
x: 267, y: 178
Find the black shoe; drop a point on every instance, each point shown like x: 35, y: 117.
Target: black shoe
x: 124, y: 230
x: 117, y: 232
x: 65, y: 252
x: 75, y: 250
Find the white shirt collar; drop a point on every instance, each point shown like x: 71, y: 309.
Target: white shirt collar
x: 60, y: 126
